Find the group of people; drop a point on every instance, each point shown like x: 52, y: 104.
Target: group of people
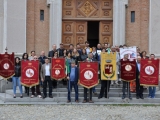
x: 72, y: 56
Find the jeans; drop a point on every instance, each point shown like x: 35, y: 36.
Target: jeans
x: 74, y: 84
x: 152, y: 91
x: 94, y: 89
x: 126, y: 84
x: 16, y: 81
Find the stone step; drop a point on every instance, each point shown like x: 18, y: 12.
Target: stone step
x: 62, y: 100
x: 63, y: 91
x: 81, y: 94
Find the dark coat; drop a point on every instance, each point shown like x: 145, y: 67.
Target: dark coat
x: 51, y: 53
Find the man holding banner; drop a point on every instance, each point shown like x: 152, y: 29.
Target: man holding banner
x: 149, y: 75
x: 126, y: 78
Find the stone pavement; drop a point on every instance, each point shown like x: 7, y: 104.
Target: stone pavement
x: 79, y: 112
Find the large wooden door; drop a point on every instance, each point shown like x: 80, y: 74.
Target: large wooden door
x: 74, y: 32
x: 76, y: 13
x: 106, y: 32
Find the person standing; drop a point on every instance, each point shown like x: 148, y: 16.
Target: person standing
x: 16, y: 78
x: 73, y: 81
x: 89, y: 59
x: 126, y: 84
x: 37, y: 86
x: 152, y: 89
x: 46, y: 78
x: 78, y: 46
x: 32, y: 55
x: 88, y: 49
x: 42, y: 57
x: 60, y: 50
x: 54, y: 49
x: 139, y: 89
x: 84, y: 55
x: 25, y: 58
x: 105, y: 84
x: 76, y: 56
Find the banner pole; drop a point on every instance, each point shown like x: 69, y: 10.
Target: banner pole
x: 107, y: 88
x: 5, y: 92
x: 57, y: 92
x: 128, y: 88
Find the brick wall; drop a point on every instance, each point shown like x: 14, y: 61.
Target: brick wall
x: 37, y: 31
x: 137, y: 33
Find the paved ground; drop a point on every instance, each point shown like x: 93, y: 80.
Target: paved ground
x: 78, y: 112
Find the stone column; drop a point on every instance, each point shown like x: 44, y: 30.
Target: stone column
x: 154, y: 27
x: 119, y: 21
x: 55, y: 22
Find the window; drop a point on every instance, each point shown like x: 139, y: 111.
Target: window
x: 42, y: 15
x: 132, y: 16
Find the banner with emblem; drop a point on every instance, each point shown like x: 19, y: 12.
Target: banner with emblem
x: 131, y: 51
x: 108, y: 66
x: 88, y: 76
x: 128, y: 70
x: 7, y: 65
x: 29, y: 73
x: 149, y: 75
x: 58, y: 68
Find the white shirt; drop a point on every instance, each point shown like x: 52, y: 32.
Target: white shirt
x: 47, y: 70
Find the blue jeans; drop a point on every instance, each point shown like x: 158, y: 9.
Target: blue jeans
x: 16, y: 81
x: 94, y: 89
x: 152, y: 91
x: 74, y: 84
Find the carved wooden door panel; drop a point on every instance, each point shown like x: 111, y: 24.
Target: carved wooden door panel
x: 74, y: 32
x: 106, y: 31
x: 67, y: 33
x: 81, y: 32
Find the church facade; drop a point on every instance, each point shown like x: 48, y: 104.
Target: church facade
x: 27, y: 25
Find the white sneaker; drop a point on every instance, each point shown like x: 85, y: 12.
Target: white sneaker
x: 32, y: 96
x: 39, y: 96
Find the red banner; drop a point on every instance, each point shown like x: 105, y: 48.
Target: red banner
x: 30, y: 73
x: 7, y: 65
x: 58, y: 68
x: 149, y: 75
x: 128, y: 70
x: 88, y: 77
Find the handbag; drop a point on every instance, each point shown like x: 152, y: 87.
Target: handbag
x: 9, y: 79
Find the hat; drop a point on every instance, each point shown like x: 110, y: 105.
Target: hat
x: 61, y: 43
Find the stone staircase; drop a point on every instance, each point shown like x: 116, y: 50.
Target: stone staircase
x: 60, y: 97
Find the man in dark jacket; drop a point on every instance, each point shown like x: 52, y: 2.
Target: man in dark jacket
x: 51, y: 53
x: 60, y: 50
x: 139, y: 89
x: 73, y: 81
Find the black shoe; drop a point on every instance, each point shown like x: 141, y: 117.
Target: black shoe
x: 142, y: 97
x: 44, y: 97
x: 137, y: 97
x: 99, y: 97
x: 130, y: 98
x: 123, y: 97
x: 50, y: 96
x: 14, y: 96
x: 21, y: 96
